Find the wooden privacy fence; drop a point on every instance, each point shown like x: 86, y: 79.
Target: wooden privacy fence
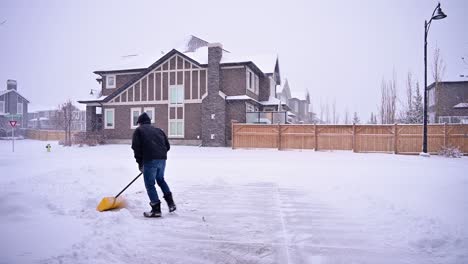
x: 53, y: 135
x: 397, y: 138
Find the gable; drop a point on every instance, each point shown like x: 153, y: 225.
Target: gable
x: 153, y: 84
x: 3, y: 94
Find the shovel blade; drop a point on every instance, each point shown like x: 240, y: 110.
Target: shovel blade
x: 109, y: 203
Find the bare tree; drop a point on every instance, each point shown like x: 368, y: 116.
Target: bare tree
x: 346, y: 117
x: 438, y: 72
x: 322, y: 107
x: 327, y: 113
x: 334, y: 111
x: 388, y: 101
x: 66, y: 118
x: 438, y: 66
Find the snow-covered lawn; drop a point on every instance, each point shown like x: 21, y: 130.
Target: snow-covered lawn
x: 241, y: 206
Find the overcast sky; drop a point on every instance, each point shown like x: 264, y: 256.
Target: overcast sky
x: 338, y: 50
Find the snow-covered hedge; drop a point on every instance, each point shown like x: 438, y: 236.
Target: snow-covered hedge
x: 450, y: 152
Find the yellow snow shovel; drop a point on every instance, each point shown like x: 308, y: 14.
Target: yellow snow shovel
x: 109, y: 203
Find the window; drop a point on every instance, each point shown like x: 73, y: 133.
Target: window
x: 2, y: 107
x: 257, y: 84
x: 110, y: 81
x: 432, y: 99
x: 134, y: 114
x: 19, y: 109
x: 150, y: 112
x: 109, y: 117
x: 250, y: 107
x: 176, y: 94
x: 252, y: 82
x: 176, y: 128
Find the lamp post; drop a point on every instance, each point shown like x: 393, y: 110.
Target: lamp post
x: 427, y: 25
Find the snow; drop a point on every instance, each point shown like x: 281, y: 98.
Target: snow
x: 240, y: 97
x: 234, y: 206
x: 265, y: 62
x: 272, y: 101
x: 461, y: 105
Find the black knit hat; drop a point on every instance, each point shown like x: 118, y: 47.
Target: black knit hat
x: 144, y: 119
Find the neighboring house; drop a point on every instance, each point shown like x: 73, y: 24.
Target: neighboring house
x: 299, y: 109
x: 193, y: 94
x: 50, y: 120
x: 448, y: 102
x: 13, y: 106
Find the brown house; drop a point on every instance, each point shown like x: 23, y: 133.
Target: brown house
x: 193, y: 94
x: 448, y: 102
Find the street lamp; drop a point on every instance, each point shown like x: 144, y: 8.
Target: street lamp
x: 427, y: 25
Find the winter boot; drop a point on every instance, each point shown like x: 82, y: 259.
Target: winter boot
x: 155, y: 210
x: 170, y: 202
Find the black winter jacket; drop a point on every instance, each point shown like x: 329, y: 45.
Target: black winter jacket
x: 149, y: 143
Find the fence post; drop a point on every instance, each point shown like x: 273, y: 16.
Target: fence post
x: 395, y: 138
x: 279, y: 136
x: 354, y: 137
x: 232, y: 134
x: 316, y: 136
x: 445, y: 135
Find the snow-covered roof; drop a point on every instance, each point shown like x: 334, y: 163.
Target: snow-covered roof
x: 272, y: 101
x: 40, y: 118
x: 93, y: 98
x: 240, y: 97
x: 266, y: 63
x: 298, y: 94
x: 4, y: 92
x: 12, y: 90
x: 461, y: 105
x: 140, y: 60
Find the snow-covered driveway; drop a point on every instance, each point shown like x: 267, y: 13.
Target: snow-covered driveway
x: 242, y: 206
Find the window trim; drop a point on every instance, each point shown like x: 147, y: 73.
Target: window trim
x: 22, y: 108
x: 176, y: 87
x: 105, y: 118
x: 170, y: 135
x: 131, y: 116
x: 251, y: 82
x: 107, y: 81
x: 152, y: 111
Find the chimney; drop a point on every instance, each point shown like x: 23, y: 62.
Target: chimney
x: 215, y: 53
x: 11, y: 85
x: 214, y: 105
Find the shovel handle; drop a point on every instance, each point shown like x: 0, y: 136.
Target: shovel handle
x: 129, y: 185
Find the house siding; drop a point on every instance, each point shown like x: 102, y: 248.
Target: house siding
x: 121, y: 80
x: 233, y: 81
x: 235, y: 111
x: 447, y: 96
x: 122, y: 129
x: 192, y: 121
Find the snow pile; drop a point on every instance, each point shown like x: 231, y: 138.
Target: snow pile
x: 450, y: 152
x: 241, y: 206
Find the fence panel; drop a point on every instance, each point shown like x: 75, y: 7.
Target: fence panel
x: 297, y: 137
x: 335, y: 137
x: 457, y: 135
x: 254, y: 136
x: 405, y: 139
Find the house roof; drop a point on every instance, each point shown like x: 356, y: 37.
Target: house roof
x: 461, y: 106
x: 450, y: 84
x: 12, y: 90
x: 196, y: 51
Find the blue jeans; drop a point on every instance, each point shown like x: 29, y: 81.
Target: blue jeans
x: 153, y: 170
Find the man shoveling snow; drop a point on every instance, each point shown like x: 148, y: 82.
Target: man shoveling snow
x: 150, y: 146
